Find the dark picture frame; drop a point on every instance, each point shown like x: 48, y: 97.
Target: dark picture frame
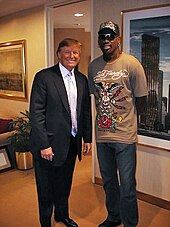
x: 5, y: 163
x: 13, y: 81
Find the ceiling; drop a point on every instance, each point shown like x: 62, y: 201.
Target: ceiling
x: 63, y: 11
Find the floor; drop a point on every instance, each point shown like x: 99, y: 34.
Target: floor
x: 18, y: 201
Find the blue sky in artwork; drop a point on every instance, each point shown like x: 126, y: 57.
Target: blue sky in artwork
x: 156, y: 26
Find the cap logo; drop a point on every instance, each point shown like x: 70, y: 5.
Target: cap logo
x: 109, y: 24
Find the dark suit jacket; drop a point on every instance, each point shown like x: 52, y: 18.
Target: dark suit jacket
x: 50, y: 114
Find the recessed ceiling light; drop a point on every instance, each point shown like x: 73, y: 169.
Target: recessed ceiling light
x: 78, y: 14
x: 78, y: 24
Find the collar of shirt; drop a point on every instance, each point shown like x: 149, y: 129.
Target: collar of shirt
x: 64, y: 73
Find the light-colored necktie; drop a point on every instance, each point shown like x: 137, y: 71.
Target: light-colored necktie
x: 72, y: 97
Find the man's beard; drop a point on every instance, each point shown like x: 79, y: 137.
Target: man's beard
x: 107, y: 57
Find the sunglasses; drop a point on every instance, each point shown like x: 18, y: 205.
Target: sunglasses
x: 106, y: 36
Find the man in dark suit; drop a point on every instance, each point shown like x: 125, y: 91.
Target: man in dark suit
x: 60, y: 115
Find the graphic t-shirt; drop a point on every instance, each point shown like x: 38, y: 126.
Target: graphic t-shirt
x: 115, y: 86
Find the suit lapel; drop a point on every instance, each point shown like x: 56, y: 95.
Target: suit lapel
x: 79, y: 93
x: 59, y: 84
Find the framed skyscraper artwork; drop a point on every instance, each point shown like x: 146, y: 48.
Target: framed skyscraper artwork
x: 146, y: 35
x: 13, y: 70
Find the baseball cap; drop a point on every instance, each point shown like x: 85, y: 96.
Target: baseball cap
x: 109, y: 25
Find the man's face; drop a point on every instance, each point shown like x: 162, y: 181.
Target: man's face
x: 108, y: 43
x: 69, y: 56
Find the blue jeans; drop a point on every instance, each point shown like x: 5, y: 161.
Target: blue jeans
x: 120, y: 189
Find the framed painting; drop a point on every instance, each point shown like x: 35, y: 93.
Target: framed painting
x: 13, y: 70
x: 4, y: 160
x: 146, y: 35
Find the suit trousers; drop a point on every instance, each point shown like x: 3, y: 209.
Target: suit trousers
x: 54, y: 185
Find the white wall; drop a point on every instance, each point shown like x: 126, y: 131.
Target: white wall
x: 153, y: 171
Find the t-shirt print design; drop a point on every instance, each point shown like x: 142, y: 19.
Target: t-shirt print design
x: 108, y: 99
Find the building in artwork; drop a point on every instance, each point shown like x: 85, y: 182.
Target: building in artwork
x: 156, y: 112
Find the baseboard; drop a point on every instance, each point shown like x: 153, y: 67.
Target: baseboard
x: 154, y: 200
x: 144, y: 197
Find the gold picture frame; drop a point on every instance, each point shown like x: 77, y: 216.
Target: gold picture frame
x: 13, y: 83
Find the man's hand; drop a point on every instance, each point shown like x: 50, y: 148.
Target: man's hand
x: 47, y: 154
x: 87, y: 148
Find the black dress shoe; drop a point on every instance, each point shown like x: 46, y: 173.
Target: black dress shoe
x: 108, y: 223
x: 67, y: 221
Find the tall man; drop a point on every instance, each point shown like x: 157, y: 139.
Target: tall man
x: 118, y: 83
x: 60, y: 117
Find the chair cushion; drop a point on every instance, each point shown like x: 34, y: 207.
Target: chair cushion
x: 5, y: 125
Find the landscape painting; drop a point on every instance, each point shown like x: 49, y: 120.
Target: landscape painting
x: 12, y: 70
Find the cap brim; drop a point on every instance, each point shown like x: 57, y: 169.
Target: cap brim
x: 106, y: 31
